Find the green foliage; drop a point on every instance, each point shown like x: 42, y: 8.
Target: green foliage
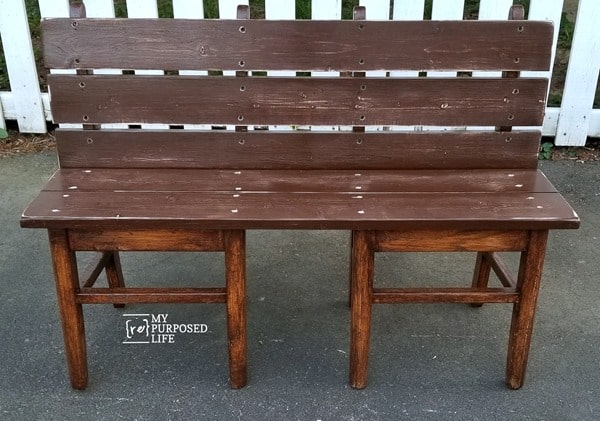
x: 211, y: 9
x: 546, y: 150
x: 303, y: 10
x: 565, y: 33
x: 3, y: 71
x: 3, y: 134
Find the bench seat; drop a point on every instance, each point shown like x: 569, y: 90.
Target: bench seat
x: 309, y: 199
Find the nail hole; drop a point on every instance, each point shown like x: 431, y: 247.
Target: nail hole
x: 242, y: 63
x: 516, y: 91
x: 89, y: 140
x: 243, y: 29
x: 511, y: 117
x: 86, y: 118
x: 240, y: 117
x: 242, y: 88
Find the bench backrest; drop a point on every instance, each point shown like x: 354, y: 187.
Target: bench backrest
x: 250, y: 98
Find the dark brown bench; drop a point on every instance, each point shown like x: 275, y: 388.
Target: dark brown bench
x: 474, y: 188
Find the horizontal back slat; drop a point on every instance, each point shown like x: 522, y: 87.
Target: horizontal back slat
x: 182, y: 44
x: 297, y: 101
x: 296, y: 150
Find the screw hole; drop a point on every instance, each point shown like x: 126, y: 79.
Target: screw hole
x: 520, y: 28
x: 517, y: 59
x: 361, y: 26
x: 359, y: 141
x: 242, y: 63
x: 74, y: 24
x: 76, y: 61
x: 86, y: 118
x: 363, y: 87
x: 242, y: 88
x: 362, y: 118
x: 361, y: 62
x: 241, y: 141
x: 82, y: 85
x: 511, y: 117
x: 444, y: 105
x: 89, y: 140
x: 243, y: 29
x: 515, y: 91
x: 508, y: 139
x: 240, y: 118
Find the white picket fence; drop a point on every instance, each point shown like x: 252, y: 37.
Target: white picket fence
x: 570, y: 124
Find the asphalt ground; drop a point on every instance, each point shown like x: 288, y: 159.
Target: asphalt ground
x: 430, y: 361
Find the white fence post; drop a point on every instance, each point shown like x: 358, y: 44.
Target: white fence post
x: 22, y: 71
x: 582, y: 77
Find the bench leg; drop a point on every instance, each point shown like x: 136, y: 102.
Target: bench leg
x: 114, y: 274
x: 481, y: 274
x: 528, y: 284
x: 361, y: 295
x: 351, y: 275
x: 71, y: 312
x: 235, y: 262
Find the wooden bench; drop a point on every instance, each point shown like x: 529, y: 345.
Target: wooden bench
x: 124, y: 184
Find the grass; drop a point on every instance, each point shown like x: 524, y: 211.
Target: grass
x: 303, y: 11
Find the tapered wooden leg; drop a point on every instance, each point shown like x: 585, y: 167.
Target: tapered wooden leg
x: 528, y: 284
x: 481, y: 274
x: 235, y: 262
x: 351, y: 274
x: 67, y: 285
x: 114, y: 274
x: 361, y: 296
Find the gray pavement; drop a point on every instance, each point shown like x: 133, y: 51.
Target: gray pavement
x: 427, y: 361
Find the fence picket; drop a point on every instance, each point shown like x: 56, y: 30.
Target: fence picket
x: 280, y: 9
x: 407, y: 10
x: 326, y: 9
x: 446, y: 10
x: 54, y: 8
x: 582, y: 77
x: 188, y: 9
x: 228, y: 8
x: 22, y: 71
x: 145, y: 9
x: 571, y: 123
